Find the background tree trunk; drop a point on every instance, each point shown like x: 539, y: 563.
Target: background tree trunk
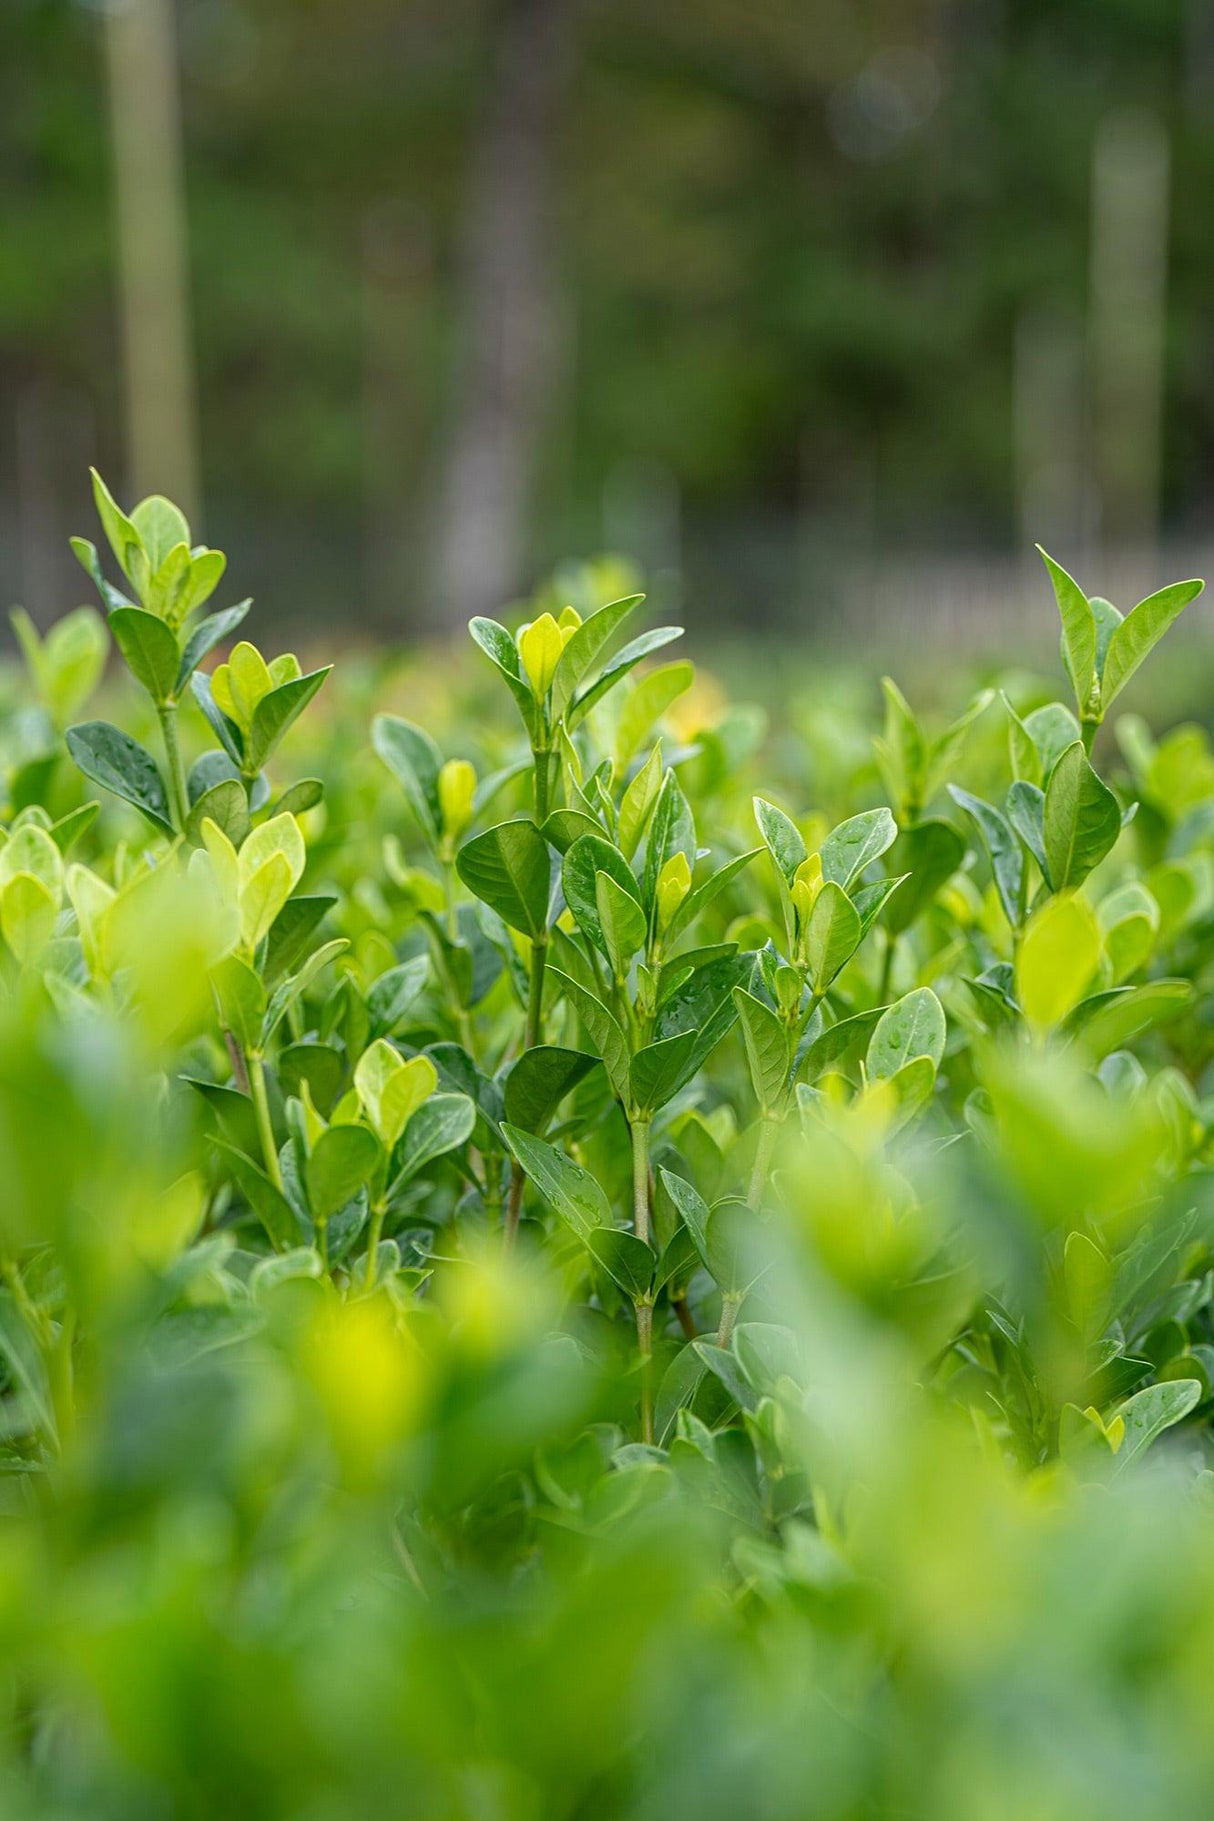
x: 509, y: 316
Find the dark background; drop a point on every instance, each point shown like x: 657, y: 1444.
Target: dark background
x: 821, y: 312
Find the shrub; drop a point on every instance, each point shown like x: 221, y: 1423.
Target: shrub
x: 540, y: 1281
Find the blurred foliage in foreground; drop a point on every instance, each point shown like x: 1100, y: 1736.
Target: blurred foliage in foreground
x: 523, y: 1300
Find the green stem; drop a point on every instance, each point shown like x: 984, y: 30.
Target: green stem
x: 645, y: 1347
x: 378, y: 1211
x: 261, y: 1109
x: 535, y: 992
x: 179, y: 802
x: 322, y: 1244
x: 514, y: 1205
x: 1088, y: 730
x: 769, y: 1131
x: 543, y: 757
x: 452, y: 907
x: 887, y: 968
x: 729, y: 1315
x: 640, y: 1177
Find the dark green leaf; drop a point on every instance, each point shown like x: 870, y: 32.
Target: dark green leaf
x: 149, y: 648
x: 1082, y: 819
x: 508, y: 867
x: 119, y: 764
x: 567, y: 1188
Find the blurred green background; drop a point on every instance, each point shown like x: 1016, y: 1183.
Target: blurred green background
x: 821, y: 312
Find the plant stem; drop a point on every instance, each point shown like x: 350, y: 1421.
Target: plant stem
x: 261, y: 1108
x: 543, y: 757
x: 179, y: 801
x: 535, y: 992
x: 684, y: 1316
x: 452, y: 907
x: 645, y: 1344
x: 769, y: 1131
x: 887, y: 967
x: 729, y: 1315
x: 514, y: 1204
x: 377, y: 1226
x: 640, y: 1177
x: 1088, y: 729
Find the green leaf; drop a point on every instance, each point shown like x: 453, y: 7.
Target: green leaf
x: 149, y: 648
x: 440, y: 1125
x: 854, y: 844
x: 1140, y: 631
x: 660, y: 1069
x: 671, y: 831
x: 1088, y: 1277
x: 1078, y: 631
x: 602, y: 1027
x: 1058, y: 955
x: 293, y: 928
x: 501, y: 650
x: 119, y: 764
x: 539, y: 1080
x: 1082, y: 819
x: 1003, y: 851
x: 68, y: 830
x: 26, y: 1367
x: 647, y: 703
x: 228, y: 734
x: 691, y: 1206
x: 587, y: 645
x: 625, y: 660
x: 206, y: 635
x: 768, y: 1049
x: 227, y: 805
x: 782, y: 838
x: 702, y: 895
x: 565, y: 826
x: 907, y: 1092
x: 589, y: 856
x: 298, y: 798
x: 1025, y: 804
x: 162, y: 527
x: 930, y: 852
x: 295, y: 985
x: 840, y: 1041
x: 269, y: 1204
x: 1150, y: 1411
x: 621, y: 920
x: 569, y: 1190
x: 276, y: 712
x: 242, y: 1000
x: 415, y: 761
x: 832, y: 935
x: 342, y: 1160
x: 390, y: 997
x: 913, y: 1026
x: 625, y: 1258
x: 86, y: 555
x: 638, y: 802
x: 1111, y: 1021
x: 509, y: 869
x: 123, y: 536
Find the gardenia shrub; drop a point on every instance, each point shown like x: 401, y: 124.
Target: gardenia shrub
x: 570, y: 1262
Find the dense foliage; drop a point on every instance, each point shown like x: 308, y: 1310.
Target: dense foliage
x: 574, y: 1262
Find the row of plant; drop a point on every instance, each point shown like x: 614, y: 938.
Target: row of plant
x: 548, y: 1269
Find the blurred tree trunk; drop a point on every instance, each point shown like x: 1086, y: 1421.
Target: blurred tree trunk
x: 149, y: 196
x: 509, y: 319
